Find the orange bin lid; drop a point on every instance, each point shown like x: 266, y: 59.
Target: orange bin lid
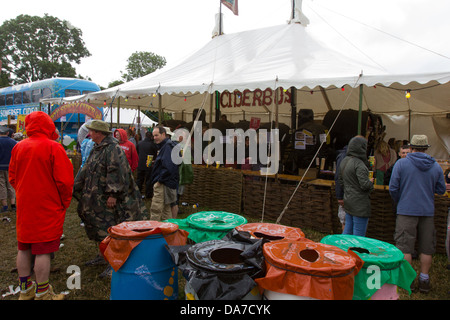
x: 141, y: 229
x: 310, y: 269
x: 271, y: 231
x: 124, y: 237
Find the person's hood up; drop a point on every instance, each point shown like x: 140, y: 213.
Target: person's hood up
x: 420, y: 160
x: 357, y: 147
x: 123, y: 135
x: 39, y: 123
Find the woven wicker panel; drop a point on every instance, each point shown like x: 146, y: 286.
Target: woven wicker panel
x: 309, y: 208
x: 441, y: 205
x: 382, y: 219
x: 215, y: 189
x: 76, y: 162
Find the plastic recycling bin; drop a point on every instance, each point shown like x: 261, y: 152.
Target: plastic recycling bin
x: 384, y: 267
x: 222, y: 270
x: 308, y: 270
x: 143, y: 268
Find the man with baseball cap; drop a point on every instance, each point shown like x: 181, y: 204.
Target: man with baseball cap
x: 414, y: 181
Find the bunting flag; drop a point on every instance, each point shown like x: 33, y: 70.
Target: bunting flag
x: 232, y: 5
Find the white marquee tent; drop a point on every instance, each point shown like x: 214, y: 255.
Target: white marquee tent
x: 128, y: 117
x: 256, y: 71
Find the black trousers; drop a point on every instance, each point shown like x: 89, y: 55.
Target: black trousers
x: 144, y: 179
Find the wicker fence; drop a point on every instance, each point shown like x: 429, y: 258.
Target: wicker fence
x: 215, y: 189
x: 313, y: 206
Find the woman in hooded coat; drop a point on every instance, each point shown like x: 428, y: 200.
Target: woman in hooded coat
x: 354, y: 177
x: 128, y: 147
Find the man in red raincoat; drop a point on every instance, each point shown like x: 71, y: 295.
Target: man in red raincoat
x: 42, y: 175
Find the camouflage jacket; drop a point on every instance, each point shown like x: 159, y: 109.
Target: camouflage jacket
x: 106, y: 173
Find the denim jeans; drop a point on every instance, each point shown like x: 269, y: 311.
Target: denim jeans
x: 356, y: 226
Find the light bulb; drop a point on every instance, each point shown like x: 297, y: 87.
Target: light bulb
x: 408, y: 94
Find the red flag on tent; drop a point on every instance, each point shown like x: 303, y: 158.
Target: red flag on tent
x: 231, y: 4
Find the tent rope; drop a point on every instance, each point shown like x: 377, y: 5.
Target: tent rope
x: 270, y: 149
x: 318, y: 150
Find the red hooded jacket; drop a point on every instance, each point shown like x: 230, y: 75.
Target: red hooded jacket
x: 129, y: 148
x: 42, y: 175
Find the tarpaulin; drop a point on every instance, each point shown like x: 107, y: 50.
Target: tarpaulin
x: 387, y: 258
x: 271, y: 231
x: 124, y: 237
x: 209, y: 225
x: 309, y: 269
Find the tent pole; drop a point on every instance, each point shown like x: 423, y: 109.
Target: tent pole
x: 409, y: 122
x: 159, y: 108
x: 220, y: 17
x: 211, y: 103
x: 325, y: 97
x: 293, y: 10
x: 118, y: 112
x: 218, y: 114
x: 276, y: 108
x: 111, y: 115
x: 139, y: 120
x: 360, y: 108
x: 293, y: 111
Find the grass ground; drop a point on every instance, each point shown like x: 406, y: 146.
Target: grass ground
x: 78, y: 249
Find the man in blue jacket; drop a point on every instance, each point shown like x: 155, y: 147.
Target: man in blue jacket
x: 414, y: 181
x: 165, y: 177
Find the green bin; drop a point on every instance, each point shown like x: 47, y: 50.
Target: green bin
x: 384, y: 266
x: 209, y: 225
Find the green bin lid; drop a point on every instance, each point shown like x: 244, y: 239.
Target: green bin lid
x: 371, y: 251
x: 215, y: 220
x: 209, y: 225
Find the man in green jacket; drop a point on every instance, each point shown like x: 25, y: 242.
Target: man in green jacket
x: 105, y: 187
x: 354, y: 177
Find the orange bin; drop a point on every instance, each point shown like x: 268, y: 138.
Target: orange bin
x: 271, y: 231
x: 127, y: 235
x: 308, y: 269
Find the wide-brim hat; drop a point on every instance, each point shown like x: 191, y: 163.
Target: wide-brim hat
x: 419, y: 141
x: 99, y: 125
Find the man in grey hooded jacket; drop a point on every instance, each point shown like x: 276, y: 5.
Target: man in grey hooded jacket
x: 354, y: 177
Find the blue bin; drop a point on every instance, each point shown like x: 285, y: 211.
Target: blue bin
x: 149, y: 273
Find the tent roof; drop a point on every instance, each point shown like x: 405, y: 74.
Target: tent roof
x: 127, y: 116
x: 284, y: 56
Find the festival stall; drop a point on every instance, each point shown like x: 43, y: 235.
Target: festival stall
x: 270, y: 74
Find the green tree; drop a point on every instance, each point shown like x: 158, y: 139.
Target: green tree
x: 36, y: 48
x: 142, y: 63
x: 115, y: 83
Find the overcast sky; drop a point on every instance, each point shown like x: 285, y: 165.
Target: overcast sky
x: 113, y: 30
